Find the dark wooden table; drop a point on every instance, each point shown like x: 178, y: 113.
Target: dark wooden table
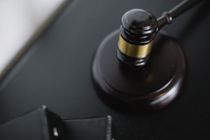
x: 57, y: 72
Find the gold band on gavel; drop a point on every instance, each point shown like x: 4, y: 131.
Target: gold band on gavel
x: 132, y: 50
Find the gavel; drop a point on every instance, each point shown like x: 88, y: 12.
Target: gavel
x: 139, y: 28
x: 139, y: 65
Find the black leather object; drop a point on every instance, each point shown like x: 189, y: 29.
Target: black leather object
x: 42, y: 124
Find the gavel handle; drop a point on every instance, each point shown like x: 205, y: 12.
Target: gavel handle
x: 167, y: 17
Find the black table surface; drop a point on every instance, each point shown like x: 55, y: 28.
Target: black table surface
x: 56, y: 72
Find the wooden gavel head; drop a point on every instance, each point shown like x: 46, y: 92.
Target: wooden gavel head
x: 137, y: 32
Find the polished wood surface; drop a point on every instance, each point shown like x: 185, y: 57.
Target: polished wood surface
x: 149, y: 87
